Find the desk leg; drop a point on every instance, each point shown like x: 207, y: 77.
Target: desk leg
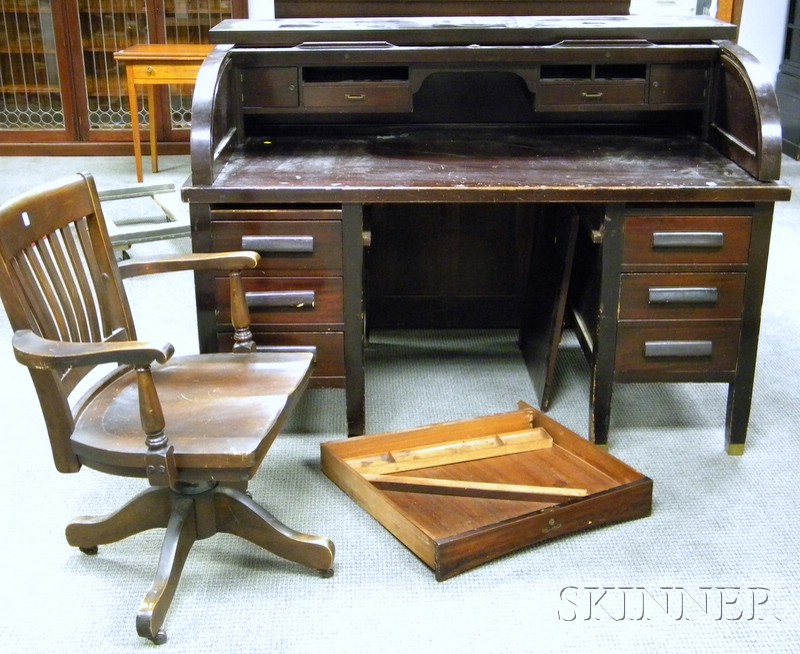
x: 602, y: 384
x: 152, y: 115
x: 605, y: 347
x: 137, y: 143
x: 740, y: 392
x: 353, y: 250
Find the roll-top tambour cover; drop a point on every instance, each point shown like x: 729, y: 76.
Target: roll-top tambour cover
x: 464, y: 30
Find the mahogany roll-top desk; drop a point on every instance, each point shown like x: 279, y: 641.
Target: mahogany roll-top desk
x: 638, y: 160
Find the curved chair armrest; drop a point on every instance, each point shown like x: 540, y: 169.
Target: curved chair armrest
x: 40, y: 353
x: 229, y: 261
x: 232, y: 262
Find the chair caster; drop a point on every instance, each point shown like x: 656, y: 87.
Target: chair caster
x: 89, y: 550
x: 144, y: 629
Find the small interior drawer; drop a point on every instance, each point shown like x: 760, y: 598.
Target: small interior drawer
x: 312, y: 247
x: 357, y: 96
x: 287, y: 300
x: 681, y: 296
x: 589, y: 94
x: 669, y: 348
x: 656, y: 240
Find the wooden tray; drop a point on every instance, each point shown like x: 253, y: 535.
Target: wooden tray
x: 460, y: 494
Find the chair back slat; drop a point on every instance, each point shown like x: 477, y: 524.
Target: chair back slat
x: 47, y: 301
x: 86, y: 285
x: 63, y: 274
x: 28, y: 273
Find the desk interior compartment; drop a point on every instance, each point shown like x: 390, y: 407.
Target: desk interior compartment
x: 588, y: 86
x: 463, y: 493
x: 269, y: 87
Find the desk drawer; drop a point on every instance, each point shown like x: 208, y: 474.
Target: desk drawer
x: 655, y: 240
x: 287, y: 300
x: 673, y: 348
x: 165, y: 73
x: 357, y: 97
x: 309, y: 247
x: 681, y: 296
x: 590, y: 94
x: 329, y: 346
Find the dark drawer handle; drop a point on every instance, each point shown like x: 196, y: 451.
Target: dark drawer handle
x: 280, y: 299
x: 689, y: 349
x: 279, y: 244
x: 700, y: 295
x: 708, y: 240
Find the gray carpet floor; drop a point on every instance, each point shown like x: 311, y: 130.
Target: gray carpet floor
x: 714, y: 569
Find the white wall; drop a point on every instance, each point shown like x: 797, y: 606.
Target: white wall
x: 761, y: 32
x: 261, y: 8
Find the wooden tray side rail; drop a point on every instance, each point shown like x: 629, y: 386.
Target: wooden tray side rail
x: 454, y: 532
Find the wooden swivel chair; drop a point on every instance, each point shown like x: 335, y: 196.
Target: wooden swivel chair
x: 197, y: 427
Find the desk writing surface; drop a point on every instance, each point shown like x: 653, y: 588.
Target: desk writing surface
x: 483, y: 165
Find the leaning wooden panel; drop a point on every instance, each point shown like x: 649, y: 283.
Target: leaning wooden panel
x: 482, y: 488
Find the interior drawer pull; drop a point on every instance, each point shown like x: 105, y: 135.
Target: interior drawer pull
x: 710, y: 240
x: 690, y: 349
x: 280, y: 299
x: 279, y: 244
x: 592, y: 95
x: 355, y: 97
x: 700, y: 295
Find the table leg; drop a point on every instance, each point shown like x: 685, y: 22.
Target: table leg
x: 137, y: 143
x: 152, y: 115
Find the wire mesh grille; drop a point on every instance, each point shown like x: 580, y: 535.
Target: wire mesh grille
x: 188, y: 21
x: 108, y: 26
x: 30, y: 87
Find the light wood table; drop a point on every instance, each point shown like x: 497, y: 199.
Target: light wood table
x: 151, y: 65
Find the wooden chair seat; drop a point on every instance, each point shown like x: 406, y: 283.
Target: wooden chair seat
x: 219, y: 410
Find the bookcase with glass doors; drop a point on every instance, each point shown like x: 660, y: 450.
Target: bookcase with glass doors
x: 59, y: 82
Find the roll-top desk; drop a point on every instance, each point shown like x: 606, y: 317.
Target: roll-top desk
x: 643, y: 154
